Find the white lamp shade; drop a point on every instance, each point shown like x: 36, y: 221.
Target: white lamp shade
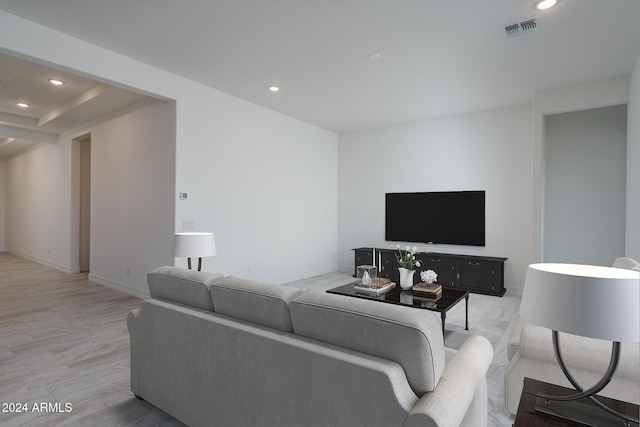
x: 192, y: 245
x: 586, y: 300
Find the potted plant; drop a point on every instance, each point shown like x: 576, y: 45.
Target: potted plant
x: 407, y: 262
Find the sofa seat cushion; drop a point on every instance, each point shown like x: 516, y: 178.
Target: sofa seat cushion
x: 255, y: 302
x: 410, y: 337
x: 183, y: 286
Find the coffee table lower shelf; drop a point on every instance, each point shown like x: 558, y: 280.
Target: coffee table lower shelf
x: 450, y: 297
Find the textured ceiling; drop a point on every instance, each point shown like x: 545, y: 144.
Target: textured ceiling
x: 438, y: 57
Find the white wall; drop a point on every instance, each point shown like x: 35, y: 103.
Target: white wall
x: 265, y: 183
x: 632, y: 248
x: 269, y: 192
x: 2, y: 203
x: 38, y: 204
x: 585, y: 186
x: 132, y: 188
x: 488, y: 150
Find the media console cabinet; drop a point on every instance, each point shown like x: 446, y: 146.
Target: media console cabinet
x: 478, y: 274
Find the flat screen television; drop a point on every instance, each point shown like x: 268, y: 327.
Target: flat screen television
x: 446, y: 217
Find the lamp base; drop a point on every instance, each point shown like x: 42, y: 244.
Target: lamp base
x: 582, y: 413
x: 199, y: 263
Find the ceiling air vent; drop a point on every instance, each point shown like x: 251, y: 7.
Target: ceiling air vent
x: 520, y: 28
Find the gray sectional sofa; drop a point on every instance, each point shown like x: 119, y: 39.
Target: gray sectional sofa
x: 221, y: 351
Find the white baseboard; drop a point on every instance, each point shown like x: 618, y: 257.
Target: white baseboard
x: 346, y: 269
x: 120, y: 287
x: 306, y: 275
x: 514, y: 291
x: 55, y: 266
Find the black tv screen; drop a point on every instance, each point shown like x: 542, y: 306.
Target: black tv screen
x: 446, y: 217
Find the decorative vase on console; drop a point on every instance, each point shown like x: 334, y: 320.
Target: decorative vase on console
x: 407, y: 261
x: 406, y: 278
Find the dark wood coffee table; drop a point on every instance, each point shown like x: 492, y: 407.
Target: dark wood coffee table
x: 527, y: 415
x: 450, y: 297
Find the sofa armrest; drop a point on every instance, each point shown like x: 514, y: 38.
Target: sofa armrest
x: 448, y: 404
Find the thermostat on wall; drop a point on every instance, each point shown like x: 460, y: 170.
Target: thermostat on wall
x: 183, y: 196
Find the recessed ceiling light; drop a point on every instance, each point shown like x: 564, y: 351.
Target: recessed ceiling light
x: 56, y: 82
x: 274, y: 88
x: 22, y: 104
x: 545, y: 4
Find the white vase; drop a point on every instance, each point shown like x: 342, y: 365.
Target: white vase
x: 406, y: 278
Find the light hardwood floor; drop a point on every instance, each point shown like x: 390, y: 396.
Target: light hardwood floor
x: 64, y: 340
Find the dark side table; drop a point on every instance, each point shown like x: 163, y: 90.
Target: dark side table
x: 527, y: 415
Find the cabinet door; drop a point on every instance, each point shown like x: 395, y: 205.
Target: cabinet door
x: 389, y: 266
x: 444, y: 268
x: 363, y: 256
x: 475, y: 275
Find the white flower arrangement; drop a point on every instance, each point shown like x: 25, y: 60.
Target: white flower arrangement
x: 408, y: 258
x: 428, y: 276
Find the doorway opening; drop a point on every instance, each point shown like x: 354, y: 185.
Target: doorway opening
x: 584, y: 196
x: 84, y: 218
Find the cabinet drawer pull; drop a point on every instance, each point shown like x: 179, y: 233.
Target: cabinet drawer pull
x: 473, y: 263
x: 435, y: 260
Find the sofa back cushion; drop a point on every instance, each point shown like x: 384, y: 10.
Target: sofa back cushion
x: 410, y: 337
x: 187, y: 287
x: 255, y: 302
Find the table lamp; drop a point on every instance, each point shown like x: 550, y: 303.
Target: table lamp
x: 591, y: 301
x: 188, y: 245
